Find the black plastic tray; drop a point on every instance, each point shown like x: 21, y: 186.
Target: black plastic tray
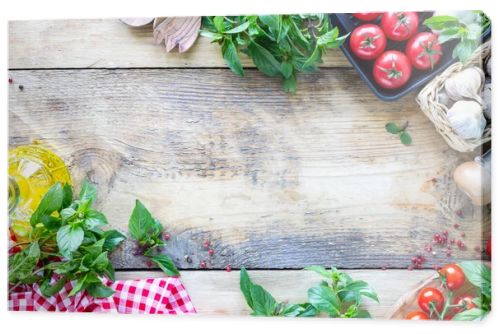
x: 347, y: 23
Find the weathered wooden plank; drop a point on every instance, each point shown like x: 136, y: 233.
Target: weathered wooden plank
x: 218, y: 292
x: 274, y: 180
x: 108, y: 43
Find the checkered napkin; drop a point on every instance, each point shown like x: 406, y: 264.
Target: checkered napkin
x: 152, y: 295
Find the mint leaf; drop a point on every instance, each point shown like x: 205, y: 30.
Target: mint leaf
x: 263, y: 59
x: 165, y: 263
x: 230, y: 55
x: 69, y: 238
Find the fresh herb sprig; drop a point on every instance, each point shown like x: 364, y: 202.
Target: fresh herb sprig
x: 467, y: 30
x: 66, y: 238
x: 148, y: 232
x: 479, y: 275
x: 339, y: 297
x: 279, y: 45
x: 403, y: 135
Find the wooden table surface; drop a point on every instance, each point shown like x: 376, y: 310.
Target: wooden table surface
x: 274, y: 180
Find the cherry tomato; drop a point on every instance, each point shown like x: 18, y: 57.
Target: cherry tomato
x: 417, y: 315
x: 465, y: 302
x: 392, y: 69
x: 367, y: 41
x: 370, y: 16
x: 428, y: 297
x: 399, y: 26
x: 453, y: 275
x: 424, y: 50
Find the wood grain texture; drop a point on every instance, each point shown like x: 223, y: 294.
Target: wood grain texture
x: 273, y: 180
x: 109, y: 43
x: 217, y: 293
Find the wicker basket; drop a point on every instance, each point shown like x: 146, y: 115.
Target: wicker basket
x: 436, y: 112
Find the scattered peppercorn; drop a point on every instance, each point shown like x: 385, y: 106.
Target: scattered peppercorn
x: 228, y: 268
x: 166, y: 236
x: 21, y: 87
x: 206, y: 243
x: 203, y: 264
x: 10, y: 80
x: 211, y: 252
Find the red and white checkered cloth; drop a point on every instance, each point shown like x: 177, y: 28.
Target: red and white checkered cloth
x: 152, y: 295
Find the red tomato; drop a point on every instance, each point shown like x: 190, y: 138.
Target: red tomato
x: 453, y: 276
x: 417, y: 315
x: 465, y: 302
x: 367, y: 41
x: 428, y: 297
x: 424, y: 50
x: 370, y: 16
x: 399, y: 26
x: 392, y: 69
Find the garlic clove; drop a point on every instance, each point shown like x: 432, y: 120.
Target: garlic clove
x: 467, y: 119
x: 474, y: 181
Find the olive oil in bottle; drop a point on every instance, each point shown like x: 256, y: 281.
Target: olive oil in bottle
x: 32, y: 171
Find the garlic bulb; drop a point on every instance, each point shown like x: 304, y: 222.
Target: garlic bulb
x: 466, y: 119
x: 444, y: 99
x: 465, y: 84
x: 487, y: 100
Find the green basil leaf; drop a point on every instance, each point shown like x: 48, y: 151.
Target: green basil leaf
x: 478, y: 274
x: 67, y: 195
x: 69, y: 239
x: 96, y: 248
x: 49, y: 290
x: 79, y: 286
x: 94, y: 218
x: 68, y: 213
x: 393, y: 128
x: 470, y: 315
x: 245, y: 286
x: 324, y: 299
x: 263, y: 303
x: 464, y: 50
x: 405, y: 138
x: 51, y: 201
x: 353, y: 291
x: 212, y: 35
x: 290, y: 84
x: 110, y: 271
x: 51, y: 223
x: 219, y: 23
x: 100, y: 263
x: 99, y: 290
x: 88, y: 192
x: 300, y: 310
x: 141, y: 222
x: 286, y: 69
x: 320, y: 270
x: 363, y: 314
x: 329, y: 37
x: 441, y: 22
x: 165, y: 263
x: 22, y: 264
x: 112, y: 239
x: 230, y: 55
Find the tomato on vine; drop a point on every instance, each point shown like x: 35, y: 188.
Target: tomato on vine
x: 431, y: 299
x: 453, y: 276
x: 417, y: 315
